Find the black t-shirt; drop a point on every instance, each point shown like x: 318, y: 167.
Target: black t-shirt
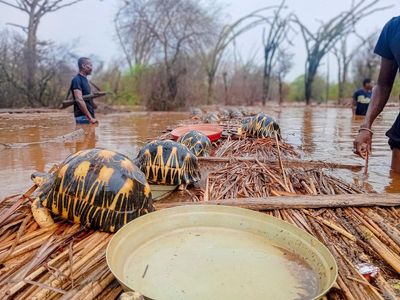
x: 81, y: 83
x: 362, y: 98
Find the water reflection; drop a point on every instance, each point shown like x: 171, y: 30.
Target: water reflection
x: 125, y: 133
x: 394, y: 183
x: 89, y: 141
x: 308, y: 128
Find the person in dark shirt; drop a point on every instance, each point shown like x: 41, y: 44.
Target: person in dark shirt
x: 83, y: 109
x: 362, y: 97
x: 388, y: 48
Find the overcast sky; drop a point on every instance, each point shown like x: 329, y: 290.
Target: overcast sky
x: 88, y: 26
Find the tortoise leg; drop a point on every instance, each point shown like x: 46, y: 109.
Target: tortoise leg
x: 182, y: 187
x: 131, y: 296
x: 41, y: 214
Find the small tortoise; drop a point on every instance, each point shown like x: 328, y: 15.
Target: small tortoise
x: 260, y: 126
x: 168, y: 162
x: 98, y: 188
x: 235, y: 113
x: 211, y: 117
x: 196, y: 112
x: 196, y: 142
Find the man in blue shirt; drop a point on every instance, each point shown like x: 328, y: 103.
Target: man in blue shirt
x: 388, y: 48
x: 362, y: 97
x: 83, y: 109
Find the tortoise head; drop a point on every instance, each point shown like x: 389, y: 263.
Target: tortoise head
x: 244, y: 126
x: 39, y: 178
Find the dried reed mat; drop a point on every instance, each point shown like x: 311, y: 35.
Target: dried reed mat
x: 266, y: 148
x: 247, y: 179
x: 68, y: 262
x: 49, y: 263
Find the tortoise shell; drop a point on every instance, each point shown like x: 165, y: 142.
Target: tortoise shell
x: 198, y: 143
x: 196, y: 112
x: 168, y: 162
x: 211, y: 117
x: 98, y: 188
x: 260, y: 126
x: 235, y: 113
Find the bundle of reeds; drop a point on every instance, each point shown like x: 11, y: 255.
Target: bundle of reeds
x: 266, y: 148
x: 257, y: 179
x: 63, y: 261
x: 354, y: 238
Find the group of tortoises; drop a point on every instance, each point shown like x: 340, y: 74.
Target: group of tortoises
x: 104, y: 189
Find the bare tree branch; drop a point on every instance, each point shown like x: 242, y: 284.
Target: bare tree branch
x: 324, y: 39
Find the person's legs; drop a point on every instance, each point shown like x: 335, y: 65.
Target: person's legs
x: 82, y: 120
x: 396, y: 160
x: 394, y: 143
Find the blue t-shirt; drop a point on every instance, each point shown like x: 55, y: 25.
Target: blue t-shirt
x: 81, y: 83
x: 362, y: 98
x: 388, y: 45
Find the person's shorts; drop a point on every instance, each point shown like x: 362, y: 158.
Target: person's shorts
x: 82, y: 120
x: 394, y: 134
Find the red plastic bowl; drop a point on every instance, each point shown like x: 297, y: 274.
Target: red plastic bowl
x: 213, y: 132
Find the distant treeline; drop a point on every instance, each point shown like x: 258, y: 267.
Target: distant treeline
x: 180, y: 53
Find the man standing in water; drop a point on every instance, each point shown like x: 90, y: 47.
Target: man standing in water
x: 362, y: 97
x: 83, y: 109
x: 388, y: 47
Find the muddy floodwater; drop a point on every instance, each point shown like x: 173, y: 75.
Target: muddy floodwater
x: 270, y: 272
x: 318, y: 132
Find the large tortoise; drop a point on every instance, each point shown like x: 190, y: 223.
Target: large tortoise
x: 196, y: 142
x: 169, y: 163
x: 260, y: 126
x: 98, y: 188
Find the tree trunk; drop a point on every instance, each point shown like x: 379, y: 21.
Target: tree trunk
x: 308, y: 82
x: 172, y: 92
x: 342, y: 81
x: 280, y: 89
x: 210, y: 89
x: 266, y: 83
x: 226, y: 100
x: 311, y: 72
x: 30, y: 57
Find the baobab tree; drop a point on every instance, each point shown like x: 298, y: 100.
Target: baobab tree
x: 272, y: 40
x: 212, y: 53
x: 35, y: 10
x: 366, y: 63
x: 172, y: 28
x: 319, y: 43
x: 284, y: 64
x: 136, y: 39
x: 343, y: 58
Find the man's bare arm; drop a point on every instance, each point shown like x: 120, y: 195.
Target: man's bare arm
x: 380, y: 96
x: 82, y: 105
x: 382, y: 90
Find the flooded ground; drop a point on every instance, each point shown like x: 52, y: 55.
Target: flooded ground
x: 320, y: 133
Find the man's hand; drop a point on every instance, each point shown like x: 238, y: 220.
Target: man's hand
x: 362, y: 143
x: 93, y: 120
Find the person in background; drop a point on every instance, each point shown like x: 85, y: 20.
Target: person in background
x: 80, y: 87
x: 362, y: 97
x: 388, y: 48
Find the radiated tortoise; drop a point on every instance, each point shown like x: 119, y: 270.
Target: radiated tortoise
x: 259, y: 126
x: 198, y: 143
x: 169, y: 163
x: 98, y: 188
